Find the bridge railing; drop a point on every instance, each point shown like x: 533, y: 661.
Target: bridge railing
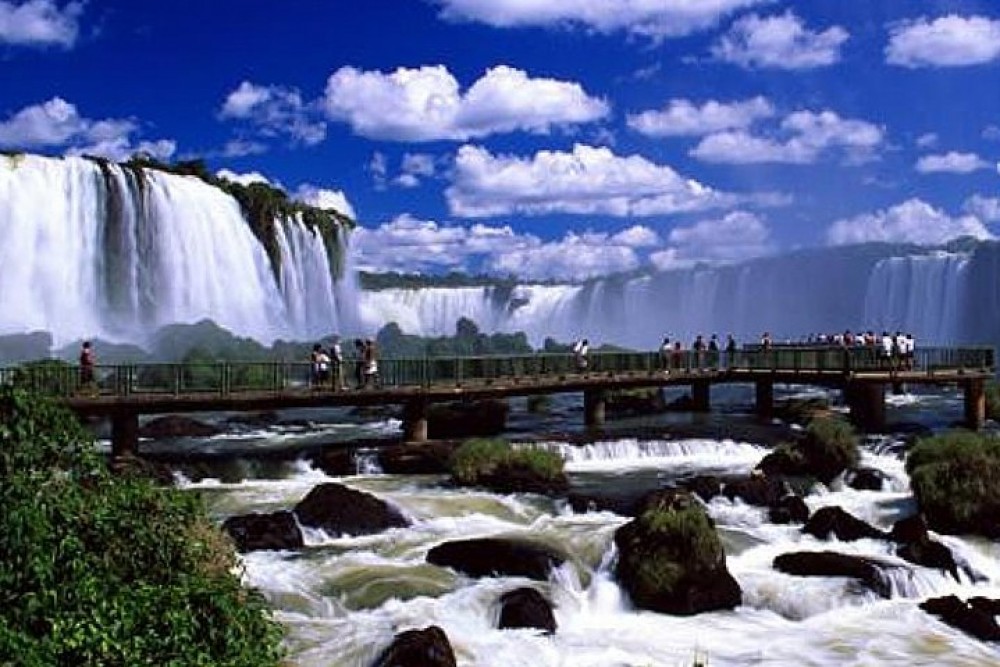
x: 61, y: 379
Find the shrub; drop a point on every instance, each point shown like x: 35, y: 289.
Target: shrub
x: 103, y: 570
x: 830, y: 447
x: 479, y: 459
x: 993, y: 401
x: 953, y: 477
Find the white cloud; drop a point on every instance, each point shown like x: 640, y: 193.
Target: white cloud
x: 653, y: 18
x: 242, y: 148
x: 804, y: 137
x: 426, y: 104
x: 913, y: 221
x: 737, y: 236
x: 325, y: 198
x: 928, y: 140
x: 39, y: 23
x: 588, y: 180
x: 58, y: 124
x: 247, y: 178
x: 682, y: 117
x: 414, y: 168
x: 951, y: 163
x: 779, y: 42
x: 574, y: 257
x: 986, y: 209
x: 274, y: 111
x: 991, y: 133
x: 949, y: 41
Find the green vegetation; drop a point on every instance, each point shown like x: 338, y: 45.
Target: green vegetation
x: 993, y: 400
x: 479, y: 459
x: 468, y: 340
x: 954, y: 478
x: 828, y: 447
x: 97, y: 569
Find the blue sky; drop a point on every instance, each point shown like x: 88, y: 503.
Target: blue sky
x: 536, y: 138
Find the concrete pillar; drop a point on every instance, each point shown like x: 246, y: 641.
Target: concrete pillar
x: 124, y: 433
x: 593, y: 406
x: 415, y: 420
x: 866, y: 401
x: 764, y: 390
x: 975, y: 404
x: 701, y: 396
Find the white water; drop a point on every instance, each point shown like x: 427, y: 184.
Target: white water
x: 344, y: 598
x: 87, y: 256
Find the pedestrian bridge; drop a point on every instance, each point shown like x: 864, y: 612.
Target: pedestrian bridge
x: 126, y: 391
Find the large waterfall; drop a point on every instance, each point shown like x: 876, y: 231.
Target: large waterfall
x: 99, y: 250
x: 938, y: 296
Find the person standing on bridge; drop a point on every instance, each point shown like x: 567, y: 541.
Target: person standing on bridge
x: 87, y: 363
x: 665, y: 354
x: 580, y: 351
x: 730, y: 351
x: 337, y: 363
x: 359, y: 363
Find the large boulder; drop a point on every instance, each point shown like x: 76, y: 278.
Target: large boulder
x: 489, y: 557
x: 428, y: 647
x: 833, y: 564
x: 916, y: 545
x: 338, y: 509
x: 177, y: 426
x: 865, y: 479
x: 466, y: 419
x: 671, y: 560
x: 790, y: 509
x: 253, y: 532
x: 526, y: 608
x: 425, y: 458
x: 757, y: 490
x: 828, y: 447
x: 835, y: 521
x: 978, y: 619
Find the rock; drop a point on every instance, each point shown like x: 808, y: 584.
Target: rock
x: 865, y: 479
x: 336, y: 462
x: 521, y: 477
x: 466, y: 419
x: 338, y: 510
x: 833, y: 564
x: 254, y: 532
x: 488, y: 557
x: 177, y: 426
x: 635, y: 402
x: 790, y: 509
x: 781, y: 462
x: 974, y: 619
x: 705, y: 486
x: 985, y: 605
x: 757, y: 490
x: 526, y: 608
x: 671, y: 560
x: 911, y: 529
x: 930, y: 553
x: 845, y: 527
x: 623, y: 504
x: 254, y: 419
x: 426, y: 458
x: 418, y: 648
x: 135, y: 466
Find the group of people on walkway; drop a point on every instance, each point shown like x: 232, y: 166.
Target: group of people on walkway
x: 896, y: 350
x: 327, y: 365
x: 703, y: 354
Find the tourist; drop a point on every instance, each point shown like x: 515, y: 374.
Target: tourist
x: 580, y: 351
x: 87, y: 363
x: 370, y: 357
x: 699, y: 351
x: 320, y: 365
x: 677, y: 355
x: 730, y: 351
x: 713, y: 352
x: 337, y: 363
x: 359, y: 363
x: 665, y: 354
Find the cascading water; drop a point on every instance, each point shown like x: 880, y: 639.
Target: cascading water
x: 94, y: 249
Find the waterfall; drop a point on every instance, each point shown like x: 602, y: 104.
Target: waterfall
x: 97, y: 250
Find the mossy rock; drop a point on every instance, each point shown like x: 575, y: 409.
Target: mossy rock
x: 496, y: 465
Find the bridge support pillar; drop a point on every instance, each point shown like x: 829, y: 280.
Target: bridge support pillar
x: 764, y: 391
x: 415, y: 420
x: 866, y: 401
x: 594, y: 401
x: 975, y: 404
x: 124, y: 433
x: 701, y: 395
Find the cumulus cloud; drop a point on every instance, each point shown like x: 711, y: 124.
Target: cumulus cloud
x: 991, y: 133
x: 426, y: 104
x: 948, y: 41
x: 274, y: 111
x: 779, y: 42
x: 737, y: 236
x: 928, y: 140
x: 414, y: 168
x: 951, y: 163
x: 913, y: 221
x: 652, y: 18
x: 242, y: 148
x: 39, y: 23
x: 58, y: 124
x: 587, y: 180
x: 682, y: 117
x: 986, y: 209
x: 247, y: 178
x: 324, y: 198
x: 804, y: 136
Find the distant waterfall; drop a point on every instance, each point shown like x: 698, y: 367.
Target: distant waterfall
x: 97, y: 250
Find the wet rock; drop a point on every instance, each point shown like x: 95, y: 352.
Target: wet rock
x: 489, y: 557
x: 522, y: 477
x: 635, y: 402
x: 336, y: 462
x: 428, y: 647
x: 865, y: 479
x: 526, y: 608
x: 705, y: 487
x: 930, y: 553
x: 835, y: 521
x: 623, y: 504
x: 974, y: 619
x: 338, y: 509
x: 254, y: 419
x: 671, y: 560
x: 466, y: 419
x: 790, y: 509
x: 911, y: 529
x: 757, y: 490
x: 833, y: 564
x: 254, y: 532
x: 425, y: 458
x: 177, y: 426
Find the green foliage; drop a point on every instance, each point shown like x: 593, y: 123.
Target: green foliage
x: 830, y: 446
x: 467, y: 341
x: 953, y: 477
x: 103, y: 570
x: 479, y: 458
x: 993, y: 400
x: 395, y: 280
